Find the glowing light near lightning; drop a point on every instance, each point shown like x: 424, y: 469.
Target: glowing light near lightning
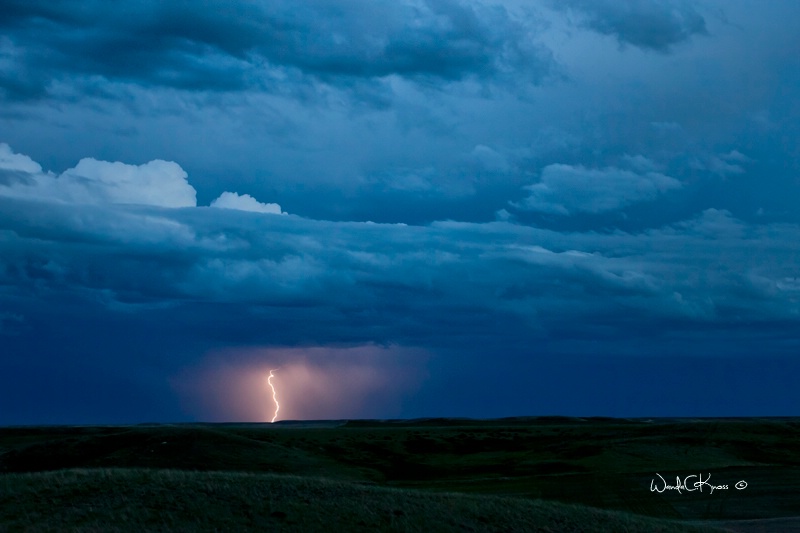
x: 274, y: 395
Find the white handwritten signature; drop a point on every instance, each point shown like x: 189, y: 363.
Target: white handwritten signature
x: 684, y: 484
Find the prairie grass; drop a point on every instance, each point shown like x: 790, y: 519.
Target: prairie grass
x: 122, y: 500
x: 523, y: 474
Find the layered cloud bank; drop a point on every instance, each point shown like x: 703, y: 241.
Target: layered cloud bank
x: 133, y: 235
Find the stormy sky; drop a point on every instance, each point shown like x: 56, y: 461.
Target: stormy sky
x: 409, y: 208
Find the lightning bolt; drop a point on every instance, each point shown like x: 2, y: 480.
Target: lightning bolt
x: 274, y: 395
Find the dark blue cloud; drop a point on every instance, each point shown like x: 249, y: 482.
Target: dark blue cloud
x: 207, y: 46
x: 650, y: 24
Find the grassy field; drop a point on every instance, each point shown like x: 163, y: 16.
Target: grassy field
x: 142, y: 500
x: 520, y: 474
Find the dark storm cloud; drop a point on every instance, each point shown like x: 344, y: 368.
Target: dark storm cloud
x: 237, y: 45
x: 642, y: 203
x: 441, y: 284
x: 652, y: 24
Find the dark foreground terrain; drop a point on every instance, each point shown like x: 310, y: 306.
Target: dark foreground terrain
x: 518, y: 474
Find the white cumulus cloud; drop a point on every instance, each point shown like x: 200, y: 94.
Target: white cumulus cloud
x: 245, y: 202
x: 16, y: 162
x: 157, y: 183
